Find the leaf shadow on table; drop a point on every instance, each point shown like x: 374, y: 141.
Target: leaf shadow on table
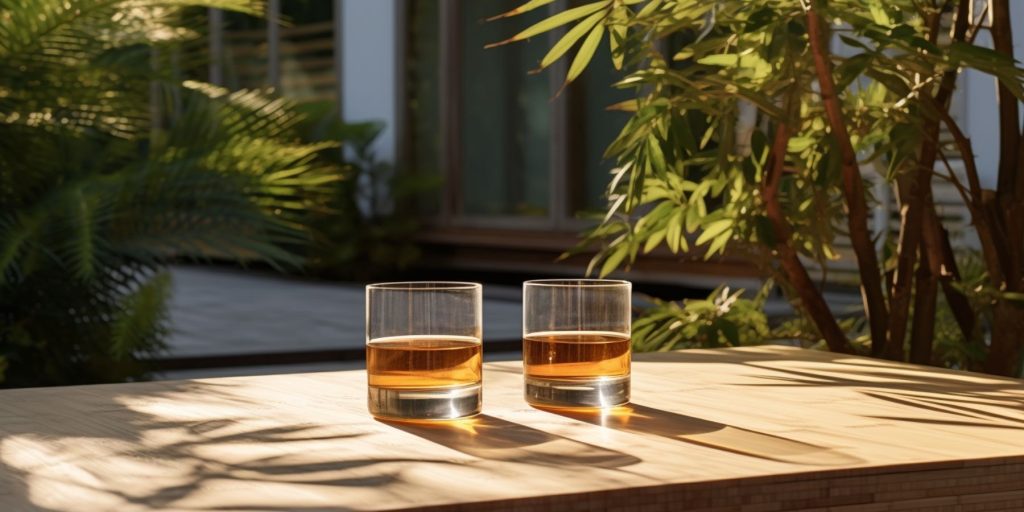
x: 643, y: 420
x: 917, y: 394
x: 797, y: 368
x: 491, y: 438
x: 270, y: 453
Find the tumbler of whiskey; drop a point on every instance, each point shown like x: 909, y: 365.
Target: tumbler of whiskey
x: 423, y: 350
x: 576, y: 337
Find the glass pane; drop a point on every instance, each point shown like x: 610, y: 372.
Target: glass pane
x: 245, y: 51
x: 423, y: 87
x: 307, y: 50
x: 596, y: 128
x: 505, y: 129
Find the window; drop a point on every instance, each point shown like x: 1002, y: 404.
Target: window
x: 510, y: 152
x: 292, y: 49
x: 307, y: 50
x: 244, y: 61
x: 504, y: 121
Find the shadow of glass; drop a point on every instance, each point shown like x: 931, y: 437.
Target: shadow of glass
x: 491, y: 438
x: 639, y: 419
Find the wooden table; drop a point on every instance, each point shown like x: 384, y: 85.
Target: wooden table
x: 751, y: 429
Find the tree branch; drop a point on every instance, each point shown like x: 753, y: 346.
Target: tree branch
x: 1010, y: 187
x: 811, y: 300
x: 853, y: 187
x: 923, y: 332
x: 916, y: 191
x: 958, y: 303
x: 1009, y: 132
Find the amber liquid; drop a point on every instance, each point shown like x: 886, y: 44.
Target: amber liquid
x: 577, y: 369
x: 576, y: 354
x: 424, y: 377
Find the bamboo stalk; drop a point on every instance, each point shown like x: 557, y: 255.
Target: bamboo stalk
x: 853, y: 188
x: 811, y: 300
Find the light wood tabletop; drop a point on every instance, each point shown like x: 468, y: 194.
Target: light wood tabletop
x: 746, y: 429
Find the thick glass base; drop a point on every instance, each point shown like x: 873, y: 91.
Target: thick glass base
x: 425, y: 404
x: 578, y: 392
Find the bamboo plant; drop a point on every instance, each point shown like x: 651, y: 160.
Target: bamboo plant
x: 749, y: 133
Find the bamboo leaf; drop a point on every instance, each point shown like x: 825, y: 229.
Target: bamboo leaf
x: 586, y: 53
x: 719, y: 244
x: 713, y: 229
x: 851, y: 68
x: 655, y: 154
x: 616, y: 37
x: 989, y: 61
x: 675, y: 230
x: 554, y: 22
x: 623, y: 106
x: 654, y: 239
x: 569, y: 39
x: 693, y: 215
x: 721, y: 59
x: 618, y: 174
x: 649, y: 8
x: 527, y: 7
x: 614, y: 259
x: 614, y: 207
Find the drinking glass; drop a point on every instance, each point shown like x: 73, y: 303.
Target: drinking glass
x: 423, y: 350
x: 576, y: 337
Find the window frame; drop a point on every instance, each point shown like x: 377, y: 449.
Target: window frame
x: 563, y: 169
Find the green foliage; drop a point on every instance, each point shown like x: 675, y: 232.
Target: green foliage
x: 723, y: 319
x: 726, y: 319
x: 98, y: 194
x: 713, y: 81
x: 952, y: 348
x: 367, y: 227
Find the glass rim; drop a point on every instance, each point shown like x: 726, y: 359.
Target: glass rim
x: 425, y: 286
x: 578, y: 283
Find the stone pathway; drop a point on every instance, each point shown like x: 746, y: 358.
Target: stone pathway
x: 232, y: 322
x: 218, y: 311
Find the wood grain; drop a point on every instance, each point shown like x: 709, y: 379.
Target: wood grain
x: 750, y: 429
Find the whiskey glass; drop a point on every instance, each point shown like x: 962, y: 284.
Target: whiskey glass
x: 423, y: 350
x: 576, y: 342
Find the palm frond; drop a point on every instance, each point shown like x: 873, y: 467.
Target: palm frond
x: 142, y: 318
x: 97, y: 197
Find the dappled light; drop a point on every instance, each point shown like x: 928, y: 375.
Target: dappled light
x: 698, y: 417
x: 511, y: 255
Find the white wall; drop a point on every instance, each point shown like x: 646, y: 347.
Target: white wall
x: 981, y: 110
x: 368, y: 67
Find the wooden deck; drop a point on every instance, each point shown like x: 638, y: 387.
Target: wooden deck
x: 752, y: 430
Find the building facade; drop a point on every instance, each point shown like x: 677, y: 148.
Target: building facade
x: 520, y: 164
